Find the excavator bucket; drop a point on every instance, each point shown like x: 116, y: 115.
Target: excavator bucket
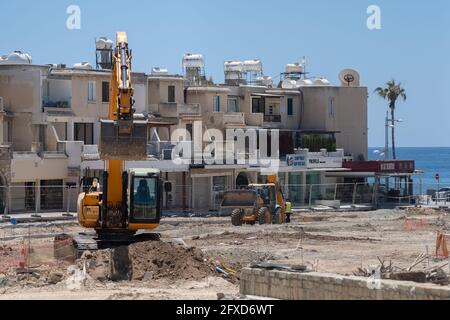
x: 123, y: 140
x: 239, y: 199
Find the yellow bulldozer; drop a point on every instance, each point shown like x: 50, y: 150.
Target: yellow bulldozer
x: 260, y: 203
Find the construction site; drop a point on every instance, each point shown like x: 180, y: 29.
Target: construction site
x: 206, y: 258
x: 124, y: 185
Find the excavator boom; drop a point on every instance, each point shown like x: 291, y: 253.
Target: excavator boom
x: 121, y: 136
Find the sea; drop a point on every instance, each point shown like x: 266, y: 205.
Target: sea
x: 429, y: 160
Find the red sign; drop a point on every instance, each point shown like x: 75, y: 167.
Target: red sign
x: 399, y: 166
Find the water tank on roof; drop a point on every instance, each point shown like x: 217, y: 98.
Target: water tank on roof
x: 321, y: 82
x: 16, y: 57
x: 233, y: 66
x: 252, y: 65
x: 104, y: 43
x: 304, y: 83
x: 157, y: 71
x: 83, y: 65
x: 288, y: 84
x: 264, y: 81
x: 191, y: 60
x: 294, y: 68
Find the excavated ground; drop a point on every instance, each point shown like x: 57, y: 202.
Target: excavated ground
x: 183, y: 265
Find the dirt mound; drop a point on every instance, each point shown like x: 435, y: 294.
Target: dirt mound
x: 422, y: 211
x: 147, y: 261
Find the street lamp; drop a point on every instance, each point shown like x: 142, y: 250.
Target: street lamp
x: 388, y: 125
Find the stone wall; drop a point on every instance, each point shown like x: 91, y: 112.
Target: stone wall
x: 320, y: 286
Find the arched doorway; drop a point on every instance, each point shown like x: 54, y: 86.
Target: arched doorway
x: 242, y: 181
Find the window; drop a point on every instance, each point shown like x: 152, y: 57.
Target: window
x: 84, y: 132
x: 43, y: 136
x: 290, y: 107
x: 52, y: 194
x: 91, y: 91
x: 105, y: 91
x: 233, y: 105
x: 7, y: 135
x: 217, y: 104
x: 258, y: 105
x: 331, y: 108
x: 145, y: 198
x: 171, y: 94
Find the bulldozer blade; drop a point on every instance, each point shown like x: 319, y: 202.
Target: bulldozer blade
x: 123, y: 140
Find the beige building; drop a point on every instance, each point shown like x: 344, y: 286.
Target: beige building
x: 50, y: 123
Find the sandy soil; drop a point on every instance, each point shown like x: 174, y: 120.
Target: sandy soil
x: 329, y: 242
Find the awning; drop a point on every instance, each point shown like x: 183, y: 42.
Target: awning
x: 350, y: 174
x: 267, y: 95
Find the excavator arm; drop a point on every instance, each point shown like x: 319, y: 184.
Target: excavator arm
x: 121, y: 136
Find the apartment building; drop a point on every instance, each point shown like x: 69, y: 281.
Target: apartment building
x: 50, y: 123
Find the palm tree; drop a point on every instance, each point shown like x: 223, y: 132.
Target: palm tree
x: 392, y: 92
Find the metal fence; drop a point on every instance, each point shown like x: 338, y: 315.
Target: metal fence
x: 413, y: 193
x: 31, y: 198
x: 333, y: 195
x: 23, y: 252
x: 35, y: 199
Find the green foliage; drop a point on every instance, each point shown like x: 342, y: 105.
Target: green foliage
x: 315, y: 142
x: 391, y: 92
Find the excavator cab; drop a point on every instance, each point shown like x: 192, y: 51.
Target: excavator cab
x: 144, y: 197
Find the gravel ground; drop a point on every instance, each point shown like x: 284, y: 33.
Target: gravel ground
x: 330, y: 242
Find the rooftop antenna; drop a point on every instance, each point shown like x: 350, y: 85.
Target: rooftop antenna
x: 304, y: 63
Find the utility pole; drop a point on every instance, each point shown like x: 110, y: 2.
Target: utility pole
x: 386, y: 143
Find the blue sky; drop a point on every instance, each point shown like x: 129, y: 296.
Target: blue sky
x: 413, y: 45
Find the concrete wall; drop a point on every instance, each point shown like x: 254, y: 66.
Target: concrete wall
x: 349, y: 115
x: 31, y: 167
x: 158, y: 91
x: 81, y: 107
x: 320, y: 286
x: 205, y: 97
x: 20, y: 87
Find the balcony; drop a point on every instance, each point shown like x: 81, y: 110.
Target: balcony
x: 161, y: 150
x: 272, y: 118
x: 229, y: 119
x: 56, y: 103
x: 176, y: 110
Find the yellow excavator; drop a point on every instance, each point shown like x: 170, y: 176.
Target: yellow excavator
x: 130, y: 200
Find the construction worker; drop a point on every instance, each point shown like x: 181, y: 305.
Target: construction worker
x: 288, y: 210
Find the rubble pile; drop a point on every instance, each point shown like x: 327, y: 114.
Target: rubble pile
x: 147, y: 261
x: 434, y: 274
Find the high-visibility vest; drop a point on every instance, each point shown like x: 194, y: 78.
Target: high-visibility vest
x: 288, y: 207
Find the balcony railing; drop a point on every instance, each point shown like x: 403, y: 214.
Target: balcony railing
x: 272, y: 118
x: 63, y: 103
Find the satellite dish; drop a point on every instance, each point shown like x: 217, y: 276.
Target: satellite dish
x: 349, y: 78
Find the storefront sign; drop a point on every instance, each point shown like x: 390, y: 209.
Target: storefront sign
x: 296, y: 160
x: 399, y: 166
x: 313, y: 161
x: 324, y: 162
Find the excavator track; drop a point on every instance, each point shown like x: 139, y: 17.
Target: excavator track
x: 71, y: 247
